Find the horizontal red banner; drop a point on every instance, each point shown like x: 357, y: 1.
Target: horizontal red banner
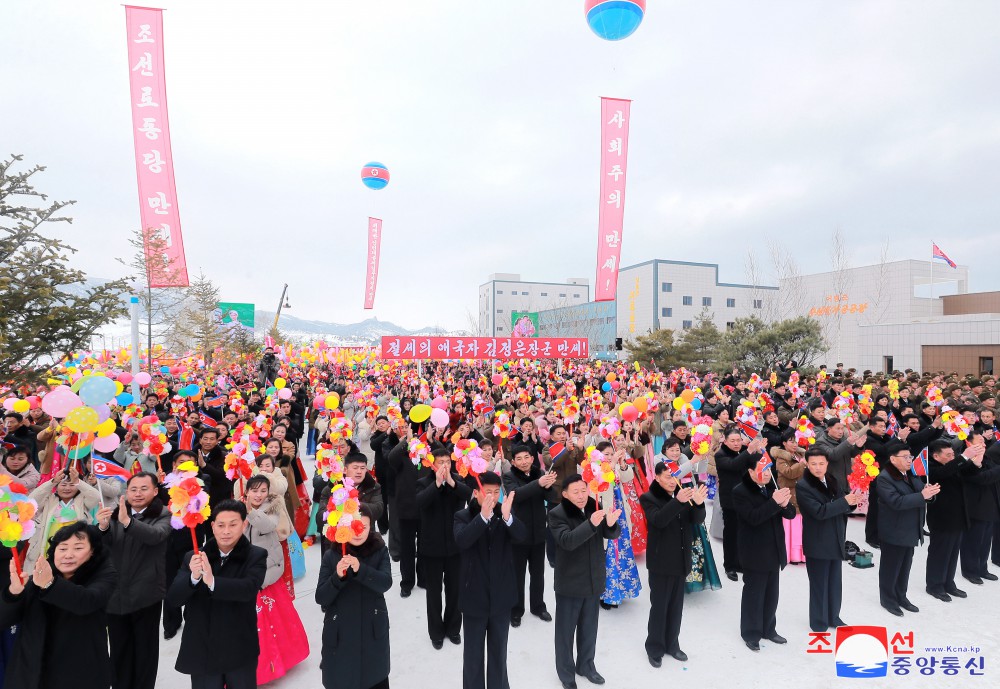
x: 395, y: 348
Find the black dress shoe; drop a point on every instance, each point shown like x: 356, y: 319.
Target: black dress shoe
x: 989, y: 576
x: 974, y: 579
x: 405, y: 593
x: 515, y: 621
x: 940, y: 595
x: 893, y: 610
x: 437, y: 643
x: 956, y: 592
x: 544, y: 616
x: 569, y: 685
x: 456, y: 639
x: 655, y: 662
x: 909, y: 607
x: 839, y: 623
x: 680, y: 655
x: 733, y: 576
x: 753, y: 645
x: 777, y: 639
x: 168, y: 635
x: 594, y: 677
x: 395, y: 558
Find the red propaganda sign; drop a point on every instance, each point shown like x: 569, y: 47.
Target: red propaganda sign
x: 395, y: 348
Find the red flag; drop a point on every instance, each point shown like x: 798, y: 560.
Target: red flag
x: 919, y: 466
x: 763, y: 464
x: 748, y: 430
x: 104, y: 469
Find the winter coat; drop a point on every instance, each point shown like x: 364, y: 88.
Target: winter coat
x: 356, y: 619
x: 139, y: 554
x: 566, y: 464
x: 383, y: 473
x: 529, y: 500
x: 220, y: 626
x: 760, y: 532
x: 405, y: 474
x: 877, y: 445
x: 840, y: 455
x: 27, y: 477
x: 732, y: 467
x: 437, y: 514
x: 947, y: 511
x: 263, y: 531
x: 127, y: 458
x: 46, y: 441
x: 62, y: 640
x: 487, y: 581
x: 982, y: 488
x: 277, y: 487
x: 901, y: 508
x: 789, y: 470
x: 824, y: 529
x: 84, y: 505
x: 670, y: 534
x: 369, y: 493
x: 579, y: 570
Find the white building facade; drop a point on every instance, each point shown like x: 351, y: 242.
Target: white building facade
x: 504, y: 293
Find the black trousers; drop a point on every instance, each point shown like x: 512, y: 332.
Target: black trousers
x: 942, y: 560
x: 446, y: 571
x: 759, y: 606
x: 550, y: 547
x: 825, y: 592
x: 135, y: 647
x: 871, y: 521
x: 532, y: 558
x: 730, y: 545
x: 485, y: 641
x: 666, y: 607
x: 976, y: 548
x: 172, y: 616
x: 383, y: 521
x: 894, y: 574
x: 409, y: 531
x: 576, y: 617
x: 394, y: 539
x: 244, y: 678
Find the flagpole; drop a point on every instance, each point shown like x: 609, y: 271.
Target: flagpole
x: 932, y: 270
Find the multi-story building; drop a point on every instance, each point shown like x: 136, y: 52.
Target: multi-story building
x: 504, y: 293
x: 594, y: 320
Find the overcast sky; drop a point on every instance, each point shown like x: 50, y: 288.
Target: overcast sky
x: 752, y: 122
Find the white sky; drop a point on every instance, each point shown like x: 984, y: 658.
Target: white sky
x: 751, y: 121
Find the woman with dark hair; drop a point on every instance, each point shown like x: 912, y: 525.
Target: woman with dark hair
x: 789, y: 465
x: 59, y: 607
x: 351, y: 589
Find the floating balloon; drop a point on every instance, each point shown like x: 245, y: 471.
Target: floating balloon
x: 614, y: 20
x: 611, y: 377
x: 497, y: 378
x: 606, y: 386
x: 439, y: 418
x: 124, y: 399
x: 59, y: 403
x: 375, y: 175
x: 284, y: 394
x: 21, y: 406
x: 125, y: 378
x: 280, y: 383
x: 640, y: 404
x: 420, y: 413
x: 108, y: 443
x: 82, y: 420
x: 687, y: 395
x: 628, y: 412
x: 143, y: 378
x: 332, y: 401
x: 106, y: 428
x: 439, y: 403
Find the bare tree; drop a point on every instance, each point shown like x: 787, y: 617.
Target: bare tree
x: 755, y: 278
x: 476, y: 327
x: 840, y: 260
x: 878, y: 306
x: 786, y: 271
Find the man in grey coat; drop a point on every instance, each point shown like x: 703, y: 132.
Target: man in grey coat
x: 840, y: 446
x: 579, y: 528
x: 136, y: 532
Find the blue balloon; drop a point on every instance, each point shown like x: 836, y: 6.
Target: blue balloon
x: 375, y: 175
x: 614, y: 20
x: 164, y: 369
x: 696, y: 403
x: 125, y: 399
x: 606, y: 387
x: 97, y: 390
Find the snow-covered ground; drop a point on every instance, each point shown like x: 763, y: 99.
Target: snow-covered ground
x: 710, y: 636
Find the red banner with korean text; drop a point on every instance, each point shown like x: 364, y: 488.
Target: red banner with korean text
x: 374, y: 242
x: 614, y: 162
x: 395, y: 348
x: 154, y: 164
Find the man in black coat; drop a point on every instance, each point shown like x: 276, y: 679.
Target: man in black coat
x: 876, y: 442
x: 439, y: 496
x: 947, y: 518
x: 759, y: 511
x: 823, y: 503
x: 405, y: 506
x: 670, y: 513
x: 731, y: 463
x: 982, y: 501
x: 218, y: 587
x: 533, y: 488
x: 900, y: 525
x: 579, y: 529
x: 383, y: 474
x: 484, y: 534
x: 212, y: 461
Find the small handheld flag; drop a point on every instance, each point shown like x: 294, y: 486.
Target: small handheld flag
x: 763, y: 464
x: 103, y: 469
x: 919, y: 466
x: 207, y: 420
x: 748, y: 430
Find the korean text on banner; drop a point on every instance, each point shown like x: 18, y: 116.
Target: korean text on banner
x: 614, y: 162
x: 395, y: 348
x: 374, y: 242
x: 154, y: 163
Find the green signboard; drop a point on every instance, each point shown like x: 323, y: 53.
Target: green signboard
x: 243, y: 313
x: 524, y: 324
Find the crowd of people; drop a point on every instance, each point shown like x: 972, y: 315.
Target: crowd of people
x: 524, y: 472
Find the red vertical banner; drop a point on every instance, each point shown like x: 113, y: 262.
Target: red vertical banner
x: 374, y: 243
x: 614, y: 162
x: 154, y: 161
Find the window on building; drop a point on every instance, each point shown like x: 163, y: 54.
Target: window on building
x: 730, y: 325
x: 687, y: 301
x: 666, y: 312
x: 576, y: 296
x: 986, y: 364
x: 562, y: 295
x: 706, y: 301
x: 499, y: 291
x: 545, y: 294
x: 758, y: 303
x: 499, y: 310
x: 731, y: 303
x: 667, y: 287
x: 499, y: 328
x: 686, y: 324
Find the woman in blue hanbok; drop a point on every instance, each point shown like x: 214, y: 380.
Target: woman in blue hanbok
x: 622, y: 572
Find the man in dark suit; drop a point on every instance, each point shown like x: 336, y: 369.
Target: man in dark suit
x: 731, y: 463
x: 670, y: 513
x: 439, y: 496
x: 218, y: 587
x: 982, y: 501
x: 760, y: 507
x: 947, y: 517
x: 579, y: 528
x: 484, y: 533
